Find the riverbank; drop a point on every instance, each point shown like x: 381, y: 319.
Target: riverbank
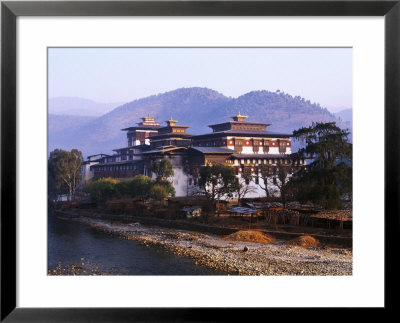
x: 277, y: 257
x: 76, y: 248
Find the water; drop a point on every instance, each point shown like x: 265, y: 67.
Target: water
x: 73, y: 243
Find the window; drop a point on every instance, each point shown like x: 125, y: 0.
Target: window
x: 256, y: 145
x: 266, y: 146
x: 282, y: 146
x: 239, y: 145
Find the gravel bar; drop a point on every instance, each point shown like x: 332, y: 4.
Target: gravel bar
x: 270, y: 259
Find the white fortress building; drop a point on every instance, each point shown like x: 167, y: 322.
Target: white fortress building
x: 245, y: 146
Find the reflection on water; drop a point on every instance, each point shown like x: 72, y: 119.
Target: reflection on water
x: 72, y: 243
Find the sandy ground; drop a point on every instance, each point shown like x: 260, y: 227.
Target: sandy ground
x: 276, y: 258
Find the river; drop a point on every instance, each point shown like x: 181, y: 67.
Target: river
x: 72, y: 243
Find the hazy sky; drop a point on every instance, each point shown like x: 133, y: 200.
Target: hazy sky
x: 322, y: 75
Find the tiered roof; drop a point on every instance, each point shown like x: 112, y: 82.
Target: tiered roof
x: 171, y: 130
x: 240, y: 127
x: 148, y: 123
x: 239, y: 123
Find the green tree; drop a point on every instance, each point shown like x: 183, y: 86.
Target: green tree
x: 169, y: 188
x: 163, y: 169
x: 217, y: 181
x: 329, y: 175
x: 64, y: 170
x: 325, y: 142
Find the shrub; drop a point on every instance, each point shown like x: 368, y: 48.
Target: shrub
x: 158, y: 192
x: 139, y: 186
x: 123, y: 188
x: 103, y: 189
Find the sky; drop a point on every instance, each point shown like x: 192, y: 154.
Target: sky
x: 321, y: 75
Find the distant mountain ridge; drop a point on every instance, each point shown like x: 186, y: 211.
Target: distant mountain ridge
x: 79, y: 107
x: 346, y: 116
x: 62, y: 122
x: 195, y: 107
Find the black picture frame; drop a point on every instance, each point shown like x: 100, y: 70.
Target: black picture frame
x: 10, y: 10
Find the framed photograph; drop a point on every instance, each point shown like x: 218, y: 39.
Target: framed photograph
x: 231, y: 185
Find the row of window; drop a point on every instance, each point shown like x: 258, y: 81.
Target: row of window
x: 256, y: 179
x: 259, y: 161
x: 248, y: 128
x: 283, y: 144
x: 178, y: 130
x: 117, y: 167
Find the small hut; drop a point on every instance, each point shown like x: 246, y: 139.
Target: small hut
x: 191, y: 212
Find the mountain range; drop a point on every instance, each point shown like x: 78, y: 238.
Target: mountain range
x: 195, y: 107
x: 79, y: 107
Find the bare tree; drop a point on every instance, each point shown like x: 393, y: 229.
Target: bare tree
x: 242, y: 186
x: 266, y: 173
x: 281, y: 179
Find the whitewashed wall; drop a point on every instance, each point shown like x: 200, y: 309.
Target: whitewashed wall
x: 180, y: 178
x: 180, y: 182
x: 86, y: 173
x: 256, y: 190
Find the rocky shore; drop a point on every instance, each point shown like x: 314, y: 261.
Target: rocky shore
x: 235, y: 257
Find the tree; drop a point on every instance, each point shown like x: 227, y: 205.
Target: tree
x: 167, y: 185
x: 266, y: 173
x: 64, y: 170
x: 242, y: 185
x: 217, y: 181
x: 281, y: 180
x: 329, y: 175
x: 163, y: 169
x: 325, y: 142
x: 193, y: 172
x: 275, y: 179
